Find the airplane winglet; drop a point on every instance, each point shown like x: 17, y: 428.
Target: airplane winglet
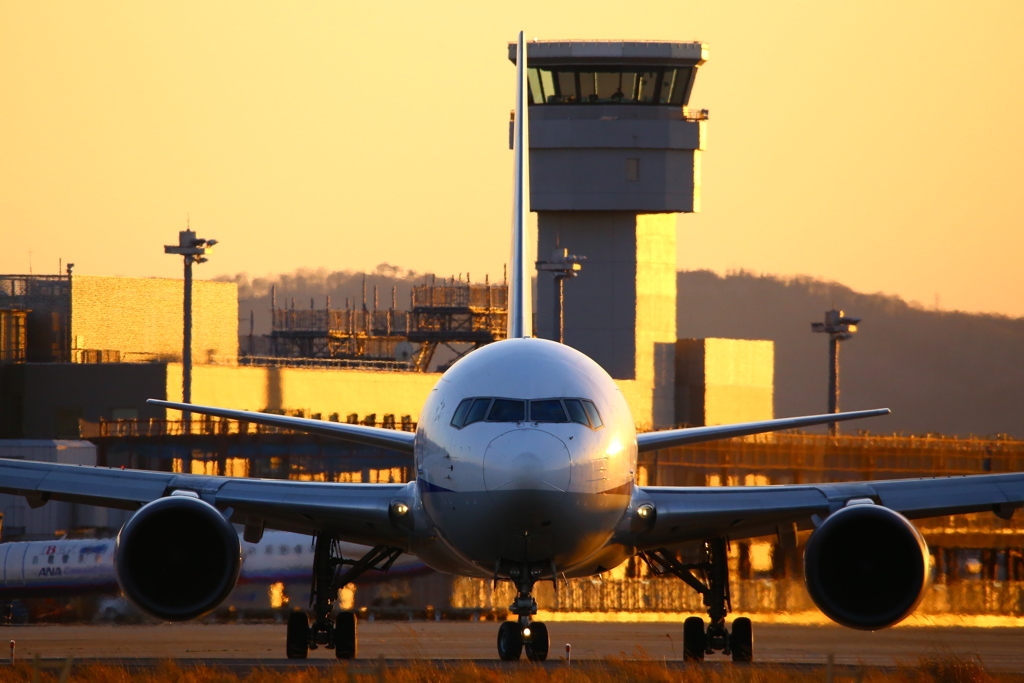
x: 520, y: 304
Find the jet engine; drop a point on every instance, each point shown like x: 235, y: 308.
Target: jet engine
x: 866, y: 566
x: 177, y: 558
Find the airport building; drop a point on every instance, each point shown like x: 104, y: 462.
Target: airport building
x: 615, y: 160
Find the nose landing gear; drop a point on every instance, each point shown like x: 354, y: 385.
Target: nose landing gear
x: 524, y: 633
x: 714, y: 587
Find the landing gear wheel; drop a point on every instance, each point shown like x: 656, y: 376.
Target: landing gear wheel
x: 345, y: 636
x: 694, y: 640
x: 297, y: 641
x: 741, y: 640
x: 537, y: 643
x: 510, y: 641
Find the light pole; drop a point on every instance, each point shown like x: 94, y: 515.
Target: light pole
x: 194, y: 251
x: 839, y: 328
x: 563, y: 266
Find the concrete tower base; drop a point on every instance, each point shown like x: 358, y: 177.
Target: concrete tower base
x: 621, y: 310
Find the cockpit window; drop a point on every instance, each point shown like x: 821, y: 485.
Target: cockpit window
x: 577, y: 410
x: 595, y: 417
x: 549, y: 410
x: 507, y: 410
x: 459, y: 419
x: 479, y: 410
x: 469, y: 411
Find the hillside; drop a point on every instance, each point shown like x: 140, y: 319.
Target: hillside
x: 939, y: 371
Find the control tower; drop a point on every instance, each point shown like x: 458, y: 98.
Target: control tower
x: 614, y: 157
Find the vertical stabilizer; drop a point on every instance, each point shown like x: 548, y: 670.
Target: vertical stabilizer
x: 520, y: 302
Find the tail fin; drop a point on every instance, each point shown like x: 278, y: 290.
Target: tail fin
x: 520, y: 301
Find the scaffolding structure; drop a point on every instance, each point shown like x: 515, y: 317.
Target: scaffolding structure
x: 449, y: 312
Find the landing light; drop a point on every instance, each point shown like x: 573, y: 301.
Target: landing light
x: 399, y: 508
x: 526, y: 632
x: 645, y: 511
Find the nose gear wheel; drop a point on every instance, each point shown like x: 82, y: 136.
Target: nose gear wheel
x: 524, y: 633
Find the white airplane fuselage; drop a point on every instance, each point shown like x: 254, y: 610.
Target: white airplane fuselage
x: 502, y: 493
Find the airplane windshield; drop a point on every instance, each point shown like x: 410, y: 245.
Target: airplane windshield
x: 507, y: 410
x: 547, y: 411
x: 578, y: 410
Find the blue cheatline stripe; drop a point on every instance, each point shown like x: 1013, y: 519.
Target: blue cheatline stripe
x: 427, y: 487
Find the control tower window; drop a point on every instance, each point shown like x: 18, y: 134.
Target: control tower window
x: 610, y: 85
x: 507, y: 410
x: 675, y: 86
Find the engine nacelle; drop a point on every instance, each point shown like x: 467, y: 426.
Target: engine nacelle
x: 867, y: 567
x: 177, y: 558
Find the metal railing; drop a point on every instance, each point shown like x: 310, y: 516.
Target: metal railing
x: 155, y: 427
x: 693, y: 114
x: 460, y: 296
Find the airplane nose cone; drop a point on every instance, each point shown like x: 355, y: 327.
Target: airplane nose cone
x: 527, y: 459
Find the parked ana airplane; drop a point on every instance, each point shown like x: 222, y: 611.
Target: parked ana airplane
x: 525, y: 457
x: 43, y: 569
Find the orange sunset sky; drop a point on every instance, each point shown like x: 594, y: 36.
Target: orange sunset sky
x: 879, y: 144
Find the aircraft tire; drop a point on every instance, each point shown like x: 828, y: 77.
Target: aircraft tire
x: 694, y: 640
x: 537, y: 645
x: 297, y: 640
x: 741, y: 640
x: 346, y: 636
x: 510, y: 641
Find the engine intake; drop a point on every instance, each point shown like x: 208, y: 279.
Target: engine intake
x: 866, y: 567
x: 177, y: 558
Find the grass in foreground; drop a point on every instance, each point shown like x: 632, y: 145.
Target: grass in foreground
x: 943, y: 669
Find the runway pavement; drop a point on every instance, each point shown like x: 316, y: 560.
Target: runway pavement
x: 998, y: 648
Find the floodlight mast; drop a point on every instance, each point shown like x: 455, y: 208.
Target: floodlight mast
x: 563, y: 266
x: 839, y: 328
x: 194, y: 250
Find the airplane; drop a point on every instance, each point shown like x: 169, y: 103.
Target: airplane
x: 58, y: 567
x: 525, y: 460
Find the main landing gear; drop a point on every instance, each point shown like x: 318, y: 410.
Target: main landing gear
x: 524, y: 633
x: 714, y: 587
x: 341, y: 633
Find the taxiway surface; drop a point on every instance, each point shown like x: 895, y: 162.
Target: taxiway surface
x: 998, y: 648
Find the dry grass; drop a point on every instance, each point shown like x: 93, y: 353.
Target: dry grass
x: 939, y: 669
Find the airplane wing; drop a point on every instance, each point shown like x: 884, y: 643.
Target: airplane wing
x: 685, y: 514
x: 359, y: 513
x: 371, y: 436
x: 652, y: 441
